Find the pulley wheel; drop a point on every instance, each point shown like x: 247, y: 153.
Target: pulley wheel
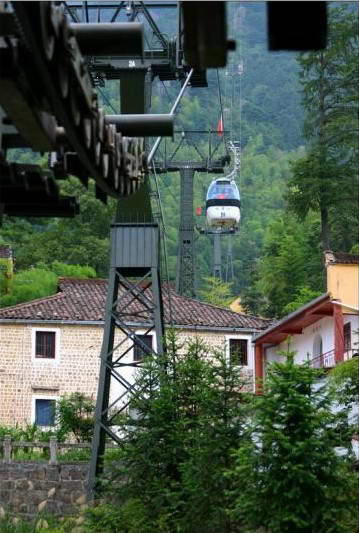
x: 87, y: 131
x: 48, y: 38
x: 63, y: 77
x: 75, y: 109
x: 105, y: 164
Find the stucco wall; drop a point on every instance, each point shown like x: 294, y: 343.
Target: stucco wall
x: 343, y: 283
x: 303, y: 344
x: 75, y: 368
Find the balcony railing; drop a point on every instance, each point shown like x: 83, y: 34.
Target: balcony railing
x: 327, y: 359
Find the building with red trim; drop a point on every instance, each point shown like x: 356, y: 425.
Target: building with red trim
x: 325, y: 330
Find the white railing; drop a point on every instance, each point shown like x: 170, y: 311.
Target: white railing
x: 327, y: 359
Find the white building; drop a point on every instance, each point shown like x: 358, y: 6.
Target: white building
x: 325, y: 330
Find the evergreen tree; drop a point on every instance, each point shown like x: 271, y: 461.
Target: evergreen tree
x: 326, y: 178
x: 288, y: 476
x: 289, y: 273
x: 177, y: 445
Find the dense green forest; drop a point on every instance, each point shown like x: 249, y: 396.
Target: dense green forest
x: 296, y: 119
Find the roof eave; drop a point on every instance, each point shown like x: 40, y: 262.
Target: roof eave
x: 192, y: 327
x: 289, y: 318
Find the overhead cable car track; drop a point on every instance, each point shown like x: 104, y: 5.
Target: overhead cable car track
x: 44, y: 72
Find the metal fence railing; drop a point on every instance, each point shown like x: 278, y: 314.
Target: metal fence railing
x: 53, y: 451
x: 327, y: 359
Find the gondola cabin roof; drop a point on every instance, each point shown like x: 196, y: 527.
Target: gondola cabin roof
x: 223, y: 188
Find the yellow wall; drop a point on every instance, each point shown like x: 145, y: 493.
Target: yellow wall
x: 236, y: 306
x: 343, y: 283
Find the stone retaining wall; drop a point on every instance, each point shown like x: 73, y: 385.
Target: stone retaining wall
x: 24, y: 485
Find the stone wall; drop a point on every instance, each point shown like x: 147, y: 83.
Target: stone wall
x: 23, y: 379
x: 25, y: 485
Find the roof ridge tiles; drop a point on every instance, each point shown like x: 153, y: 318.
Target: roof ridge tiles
x: 63, y: 279
x: 42, y: 299
x: 220, y: 308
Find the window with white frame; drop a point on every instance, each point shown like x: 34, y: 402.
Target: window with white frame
x: 143, y: 348
x: 45, y: 344
x: 238, y: 351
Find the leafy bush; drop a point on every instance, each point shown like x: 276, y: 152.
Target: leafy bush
x: 72, y: 271
x: 75, y: 414
x: 30, y: 433
x: 74, y: 455
x: 344, y: 381
x: 30, y: 284
x: 131, y: 517
x: 42, y: 280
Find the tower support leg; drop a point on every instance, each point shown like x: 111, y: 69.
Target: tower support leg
x: 133, y: 302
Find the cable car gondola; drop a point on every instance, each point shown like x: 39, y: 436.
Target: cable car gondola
x: 223, y: 204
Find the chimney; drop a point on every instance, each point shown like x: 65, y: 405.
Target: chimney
x: 6, y: 269
x: 329, y: 257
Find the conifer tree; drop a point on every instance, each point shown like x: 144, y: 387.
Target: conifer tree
x: 289, y: 477
x: 326, y: 178
x: 178, y: 445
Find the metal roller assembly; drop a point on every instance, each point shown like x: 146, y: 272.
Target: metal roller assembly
x: 61, y: 114
x: 143, y: 125
x: 106, y: 39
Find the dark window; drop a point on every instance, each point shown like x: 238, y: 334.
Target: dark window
x: 238, y: 351
x: 45, y: 412
x: 45, y: 345
x: 347, y: 336
x: 138, y: 351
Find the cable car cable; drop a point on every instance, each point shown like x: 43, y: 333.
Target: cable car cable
x: 107, y: 101
x: 221, y: 108
x: 164, y: 237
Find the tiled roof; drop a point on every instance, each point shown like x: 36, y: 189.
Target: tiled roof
x: 84, y: 300
x: 5, y: 252
x: 342, y: 258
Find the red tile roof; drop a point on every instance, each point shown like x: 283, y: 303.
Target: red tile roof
x: 84, y: 300
x: 342, y: 258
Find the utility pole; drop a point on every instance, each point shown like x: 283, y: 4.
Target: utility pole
x: 229, y: 262
x: 210, y: 163
x: 185, y: 259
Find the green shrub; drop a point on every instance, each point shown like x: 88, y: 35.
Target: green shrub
x: 75, y: 415
x: 72, y: 271
x: 74, y: 455
x: 288, y: 476
x: 344, y: 381
x: 30, y: 284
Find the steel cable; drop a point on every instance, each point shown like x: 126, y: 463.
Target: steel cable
x: 165, y: 255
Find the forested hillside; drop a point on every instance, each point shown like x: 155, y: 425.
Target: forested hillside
x: 293, y: 186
